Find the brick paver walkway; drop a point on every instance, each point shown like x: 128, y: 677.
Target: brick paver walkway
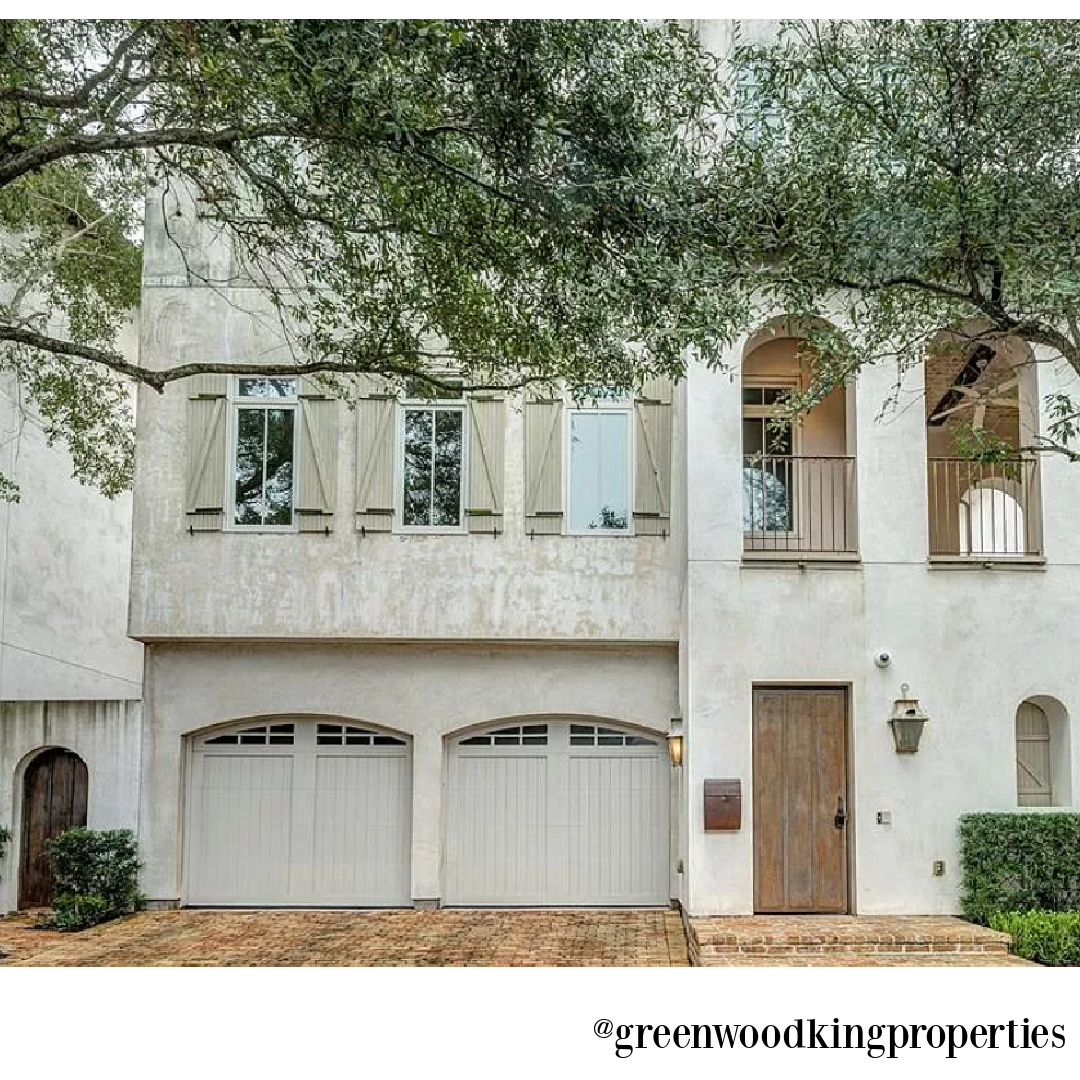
x: 344, y: 938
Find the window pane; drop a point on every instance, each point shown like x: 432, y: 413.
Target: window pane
x: 753, y: 436
x: 250, y: 424
x: 770, y: 395
x: 752, y: 395
x: 417, y: 471
x: 264, y: 467
x: 446, y: 508
x: 422, y: 389
x: 278, y: 493
x: 599, y: 471
x: 268, y: 388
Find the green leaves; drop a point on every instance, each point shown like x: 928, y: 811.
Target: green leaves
x: 96, y: 876
x: 1019, y: 862
x: 1047, y: 937
x: 522, y: 196
x: 921, y: 175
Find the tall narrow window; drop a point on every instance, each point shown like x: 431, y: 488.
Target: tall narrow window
x: 432, y: 470
x: 599, y: 470
x: 264, y: 452
x: 768, y: 462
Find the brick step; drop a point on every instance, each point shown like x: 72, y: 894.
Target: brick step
x: 855, y: 959
x: 763, y: 936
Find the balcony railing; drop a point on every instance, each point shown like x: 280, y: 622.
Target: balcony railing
x: 799, y: 504
x: 980, y: 510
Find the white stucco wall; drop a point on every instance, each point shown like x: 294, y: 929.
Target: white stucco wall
x: 972, y: 643
x: 426, y: 692
x: 65, y: 554
x: 379, y: 586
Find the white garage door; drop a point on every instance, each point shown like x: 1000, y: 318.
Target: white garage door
x: 557, y: 813
x: 299, y: 813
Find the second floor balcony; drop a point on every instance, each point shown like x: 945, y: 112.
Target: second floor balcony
x: 799, y: 504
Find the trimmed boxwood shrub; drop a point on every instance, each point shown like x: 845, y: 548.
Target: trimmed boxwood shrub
x: 1047, y: 937
x: 1019, y: 862
x: 96, y: 876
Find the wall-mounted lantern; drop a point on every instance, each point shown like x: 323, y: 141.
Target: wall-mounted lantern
x: 675, y: 741
x: 907, y: 722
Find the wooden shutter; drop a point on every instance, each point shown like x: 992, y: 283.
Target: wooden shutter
x: 543, y: 466
x: 1033, y: 762
x: 652, y: 459
x: 317, y: 467
x: 206, y: 453
x: 376, y: 432
x: 487, y: 436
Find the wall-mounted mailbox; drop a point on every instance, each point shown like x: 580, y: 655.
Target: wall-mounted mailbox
x: 723, y: 805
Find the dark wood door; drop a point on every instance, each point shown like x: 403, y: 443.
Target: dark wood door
x: 800, y: 800
x: 54, y: 799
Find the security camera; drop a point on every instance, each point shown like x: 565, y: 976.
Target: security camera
x: 883, y: 658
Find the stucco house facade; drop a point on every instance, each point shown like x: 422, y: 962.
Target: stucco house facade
x: 70, y: 677
x: 486, y: 650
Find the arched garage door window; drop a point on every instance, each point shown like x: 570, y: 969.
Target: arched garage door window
x: 557, y: 812
x: 298, y: 813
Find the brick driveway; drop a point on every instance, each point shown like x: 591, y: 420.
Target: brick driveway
x: 345, y: 938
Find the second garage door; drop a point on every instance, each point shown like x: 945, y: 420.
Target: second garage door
x: 298, y: 813
x: 557, y: 813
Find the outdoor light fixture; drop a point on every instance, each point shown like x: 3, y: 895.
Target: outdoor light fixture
x: 907, y: 722
x: 675, y: 741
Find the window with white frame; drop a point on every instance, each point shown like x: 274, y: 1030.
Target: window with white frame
x: 264, y: 430
x: 432, y: 461
x: 598, y: 467
x: 768, y: 459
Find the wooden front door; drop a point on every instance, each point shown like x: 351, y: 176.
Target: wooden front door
x: 800, y: 800
x: 54, y: 799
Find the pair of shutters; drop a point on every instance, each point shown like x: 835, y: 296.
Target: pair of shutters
x: 376, y: 459
x: 544, y: 496
x: 207, y: 479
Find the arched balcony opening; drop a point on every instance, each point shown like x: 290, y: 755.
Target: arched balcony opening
x: 798, y: 490
x: 982, y: 485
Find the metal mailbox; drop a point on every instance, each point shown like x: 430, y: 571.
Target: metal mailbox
x: 723, y: 805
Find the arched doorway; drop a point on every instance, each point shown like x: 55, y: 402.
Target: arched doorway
x: 54, y: 799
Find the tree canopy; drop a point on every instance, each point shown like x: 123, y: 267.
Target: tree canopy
x: 909, y: 178
x: 502, y: 193
x: 592, y: 201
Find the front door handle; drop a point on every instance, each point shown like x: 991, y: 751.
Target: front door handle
x: 841, y: 814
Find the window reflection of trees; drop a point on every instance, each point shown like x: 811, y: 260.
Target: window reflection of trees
x: 432, y: 467
x: 264, y: 466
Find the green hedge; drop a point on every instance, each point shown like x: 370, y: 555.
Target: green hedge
x: 96, y: 876
x: 1047, y: 937
x: 1019, y: 862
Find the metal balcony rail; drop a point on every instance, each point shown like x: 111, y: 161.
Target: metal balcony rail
x: 981, y: 510
x: 799, y: 504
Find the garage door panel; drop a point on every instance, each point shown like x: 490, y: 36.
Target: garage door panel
x: 618, y: 830
x: 302, y: 813
x: 242, y: 822
x: 497, y: 828
x: 583, y: 819
x: 361, y: 846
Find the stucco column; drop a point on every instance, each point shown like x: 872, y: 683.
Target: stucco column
x: 427, y: 811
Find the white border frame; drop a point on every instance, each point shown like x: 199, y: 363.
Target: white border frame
x: 234, y: 402
x: 627, y: 408
x: 460, y: 405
